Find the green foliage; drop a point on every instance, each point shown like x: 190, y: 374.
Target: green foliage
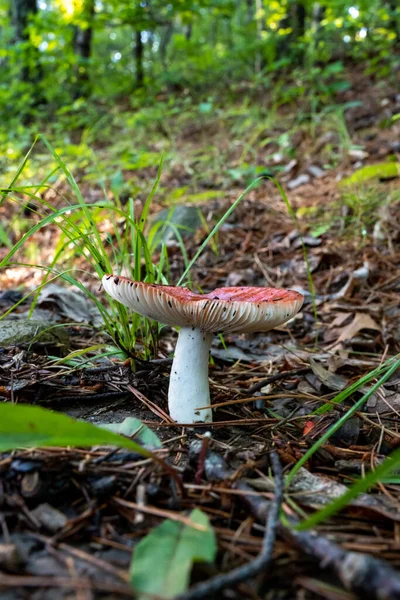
x: 98, y: 53
x: 23, y: 426
x: 387, y: 170
x: 381, y: 472
x: 360, y: 208
x: 135, y: 429
x: 163, y: 560
x: 134, y: 248
x: 80, y: 238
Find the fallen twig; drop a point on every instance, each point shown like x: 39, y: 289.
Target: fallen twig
x: 277, y: 377
x: 207, y: 588
x: 359, y: 573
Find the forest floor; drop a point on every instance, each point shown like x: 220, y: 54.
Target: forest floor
x: 69, y: 518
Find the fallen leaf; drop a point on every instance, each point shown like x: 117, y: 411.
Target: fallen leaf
x: 360, y: 321
x: 384, y: 402
x: 333, y: 381
x: 71, y: 304
x: 135, y: 429
x: 315, y: 491
x: 308, y: 427
x: 163, y: 560
x: 387, y: 170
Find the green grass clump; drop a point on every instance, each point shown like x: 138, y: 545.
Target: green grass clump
x: 133, y: 248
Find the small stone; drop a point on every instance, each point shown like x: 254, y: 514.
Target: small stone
x: 10, y: 558
x: 358, y: 154
x: 277, y: 157
x: 50, y: 518
x: 290, y: 166
x: 315, y: 171
x: 300, y: 180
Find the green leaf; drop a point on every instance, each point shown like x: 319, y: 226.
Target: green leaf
x: 205, y: 107
x: 134, y: 428
x: 163, y: 560
x: 32, y: 426
x: 381, y: 171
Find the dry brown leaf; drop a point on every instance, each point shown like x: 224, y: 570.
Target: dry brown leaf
x: 384, y: 402
x: 360, y: 321
x: 309, y: 489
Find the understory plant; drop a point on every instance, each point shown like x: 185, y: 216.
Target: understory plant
x: 102, y: 237
x: 83, y: 238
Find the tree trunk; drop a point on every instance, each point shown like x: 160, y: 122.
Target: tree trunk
x: 258, y: 58
x: 22, y: 12
x: 295, y: 19
x: 188, y: 32
x: 164, y: 42
x: 82, y: 43
x: 139, y: 51
x: 394, y: 19
x: 298, y: 20
x: 250, y: 10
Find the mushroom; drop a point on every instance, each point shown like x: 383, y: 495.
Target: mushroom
x: 200, y: 316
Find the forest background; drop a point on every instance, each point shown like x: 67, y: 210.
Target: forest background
x: 82, y: 69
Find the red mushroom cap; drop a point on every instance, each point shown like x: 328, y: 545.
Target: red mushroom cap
x: 226, y: 310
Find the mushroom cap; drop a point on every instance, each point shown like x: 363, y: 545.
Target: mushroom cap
x: 225, y: 310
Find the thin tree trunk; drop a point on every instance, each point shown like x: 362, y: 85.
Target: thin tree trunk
x: 249, y: 11
x: 188, y: 32
x: 139, y: 51
x: 22, y: 12
x: 164, y: 42
x: 82, y: 43
x: 299, y: 20
x: 257, y: 65
x: 394, y: 19
x: 295, y: 18
x: 84, y: 35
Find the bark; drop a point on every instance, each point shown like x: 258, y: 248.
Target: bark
x: 250, y: 9
x: 139, y: 51
x: 298, y: 19
x: 295, y: 19
x: 82, y: 43
x: 394, y: 19
x: 164, y: 42
x: 83, y: 36
x: 22, y: 12
x: 188, y: 32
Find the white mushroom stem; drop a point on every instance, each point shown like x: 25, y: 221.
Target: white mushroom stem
x: 188, y: 385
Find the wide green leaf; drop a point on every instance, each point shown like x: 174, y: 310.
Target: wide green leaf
x: 32, y: 426
x: 163, y: 560
x: 386, y: 170
x: 132, y: 427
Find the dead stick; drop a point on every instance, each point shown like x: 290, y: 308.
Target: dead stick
x: 216, y: 584
x: 364, y: 575
x: 277, y: 377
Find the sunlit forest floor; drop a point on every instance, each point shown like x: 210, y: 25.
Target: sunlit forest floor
x: 76, y: 514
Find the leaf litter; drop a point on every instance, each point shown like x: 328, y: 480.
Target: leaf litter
x: 71, y: 518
